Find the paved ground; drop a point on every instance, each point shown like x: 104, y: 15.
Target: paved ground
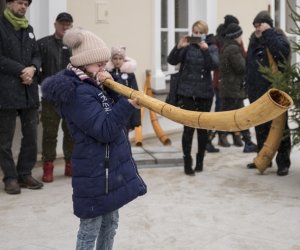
x: 226, y: 207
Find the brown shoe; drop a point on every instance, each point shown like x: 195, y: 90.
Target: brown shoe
x: 12, y: 186
x: 28, y: 181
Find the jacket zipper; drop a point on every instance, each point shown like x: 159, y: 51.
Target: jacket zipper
x: 133, y: 162
x: 106, y: 165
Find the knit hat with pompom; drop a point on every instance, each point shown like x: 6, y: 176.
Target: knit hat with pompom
x: 120, y: 51
x: 87, y: 48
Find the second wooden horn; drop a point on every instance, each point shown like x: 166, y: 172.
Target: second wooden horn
x: 269, y: 106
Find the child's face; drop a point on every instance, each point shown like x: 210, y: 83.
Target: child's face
x: 117, y: 61
x: 95, y: 67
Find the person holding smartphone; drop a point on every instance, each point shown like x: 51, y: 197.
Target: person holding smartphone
x: 199, y: 56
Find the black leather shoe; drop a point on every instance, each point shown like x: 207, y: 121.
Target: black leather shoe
x: 283, y: 171
x: 252, y: 165
x: 12, y: 186
x: 28, y: 181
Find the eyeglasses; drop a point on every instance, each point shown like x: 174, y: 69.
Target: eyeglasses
x: 257, y: 25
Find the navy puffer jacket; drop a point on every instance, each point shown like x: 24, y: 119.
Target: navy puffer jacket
x: 195, y: 79
x: 279, y: 46
x: 97, y: 127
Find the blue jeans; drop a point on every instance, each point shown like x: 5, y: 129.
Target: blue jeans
x: 102, y: 228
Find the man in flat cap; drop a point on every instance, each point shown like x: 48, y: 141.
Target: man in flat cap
x: 19, y: 64
x: 266, y: 37
x: 55, y: 57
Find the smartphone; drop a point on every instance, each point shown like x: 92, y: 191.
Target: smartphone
x: 194, y: 39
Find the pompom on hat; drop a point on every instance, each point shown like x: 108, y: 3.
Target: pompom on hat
x: 228, y: 19
x: 120, y: 51
x: 29, y: 1
x: 263, y: 17
x: 233, y: 31
x: 87, y: 47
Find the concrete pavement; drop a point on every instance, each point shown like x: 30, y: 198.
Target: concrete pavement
x: 226, y: 207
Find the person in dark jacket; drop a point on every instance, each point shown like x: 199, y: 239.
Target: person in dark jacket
x: 232, y: 75
x: 19, y: 96
x: 267, y: 37
x: 122, y: 70
x: 195, y: 88
x: 55, y: 57
x: 105, y: 176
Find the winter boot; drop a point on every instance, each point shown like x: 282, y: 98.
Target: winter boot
x: 223, y: 142
x: 68, y: 168
x: 210, y: 148
x: 48, y: 171
x: 199, y: 163
x: 250, y: 147
x: 237, y: 140
x: 188, y: 165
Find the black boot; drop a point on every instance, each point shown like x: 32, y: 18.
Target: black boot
x: 199, y: 163
x: 223, y: 142
x: 188, y: 165
x: 237, y: 140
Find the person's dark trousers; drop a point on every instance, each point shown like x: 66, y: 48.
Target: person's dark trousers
x: 284, y: 150
x: 195, y: 104
x: 28, y: 150
x: 50, y: 120
x: 232, y: 104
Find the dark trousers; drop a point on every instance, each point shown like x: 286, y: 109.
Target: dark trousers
x: 284, y: 150
x: 50, y: 121
x: 194, y: 104
x: 232, y: 104
x: 28, y: 149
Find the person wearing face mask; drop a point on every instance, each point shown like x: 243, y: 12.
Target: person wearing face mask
x: 105, y: 176
x: 266, y: 37
x: 195, y: 90
x: 122, y: 70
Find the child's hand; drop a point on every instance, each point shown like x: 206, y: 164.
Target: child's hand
x: 135, y: 102
x: 102, y: 76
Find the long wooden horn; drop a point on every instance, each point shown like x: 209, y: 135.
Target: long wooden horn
x: 269, y: 106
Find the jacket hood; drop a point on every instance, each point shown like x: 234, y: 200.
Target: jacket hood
x: 60, y: 88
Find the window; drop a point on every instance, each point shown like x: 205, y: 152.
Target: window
x: 174, y: 24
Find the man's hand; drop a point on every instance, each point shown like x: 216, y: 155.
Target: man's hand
x: 27, y: 75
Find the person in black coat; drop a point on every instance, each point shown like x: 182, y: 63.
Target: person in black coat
x: 195, y: 90
x: 19, y: 96
x: 122, y: 70
x: 267, y: 37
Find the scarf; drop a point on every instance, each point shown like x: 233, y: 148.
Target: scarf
x: 17, y: 22
x: 83, y: 76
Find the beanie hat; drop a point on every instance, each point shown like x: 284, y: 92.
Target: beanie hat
x: 29, y: 1
x: 263, y: 17
x: 118, y: 51
x: 87, y: 48
x: 233, y: 31
x: 230, y: 19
